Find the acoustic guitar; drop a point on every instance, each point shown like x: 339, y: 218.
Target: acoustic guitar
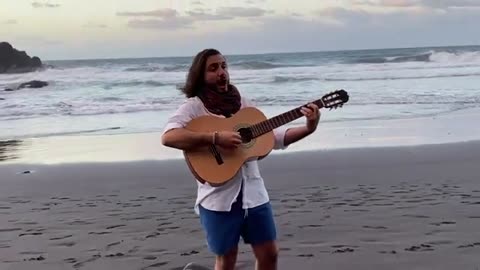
x: 216, y: 165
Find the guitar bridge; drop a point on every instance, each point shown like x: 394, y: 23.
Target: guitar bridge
x: 216, y: 154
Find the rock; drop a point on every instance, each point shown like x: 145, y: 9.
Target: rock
x: 2, y: 98
x: 30, y: 84
x: 14, y: 61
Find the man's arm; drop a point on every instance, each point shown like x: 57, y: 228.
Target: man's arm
x: 295, y: 134
x: 176, y: 136
x: 184, y: 139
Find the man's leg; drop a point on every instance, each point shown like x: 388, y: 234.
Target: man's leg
x: 260, y: 232
x: 222, y: 230
x: 227, y: 261
x: 267, y: 255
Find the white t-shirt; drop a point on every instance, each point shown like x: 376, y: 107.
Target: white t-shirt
x: 222, y: 197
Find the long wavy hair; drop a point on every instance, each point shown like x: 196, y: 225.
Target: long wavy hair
x: 196, y: 74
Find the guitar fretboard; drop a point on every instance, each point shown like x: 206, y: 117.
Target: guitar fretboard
x: 279, y: 120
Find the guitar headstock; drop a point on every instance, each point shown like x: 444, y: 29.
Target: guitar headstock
x: 335, y: 99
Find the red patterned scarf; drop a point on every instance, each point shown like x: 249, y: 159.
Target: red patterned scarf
x: 221, y: 103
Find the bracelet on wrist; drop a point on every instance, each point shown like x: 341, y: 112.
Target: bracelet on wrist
x: 215, y: 137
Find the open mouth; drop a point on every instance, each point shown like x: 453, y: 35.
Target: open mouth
x: 222, y: 83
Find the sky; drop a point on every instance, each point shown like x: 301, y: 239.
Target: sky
x: 79, y: 29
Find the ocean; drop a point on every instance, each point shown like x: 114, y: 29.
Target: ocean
x: 115, y: 96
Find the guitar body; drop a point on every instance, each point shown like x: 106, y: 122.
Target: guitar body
x: 203, y: 162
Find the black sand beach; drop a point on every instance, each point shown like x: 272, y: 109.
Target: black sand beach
x: 407, y: 207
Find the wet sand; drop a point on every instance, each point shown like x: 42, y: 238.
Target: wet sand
x: 411, y: 207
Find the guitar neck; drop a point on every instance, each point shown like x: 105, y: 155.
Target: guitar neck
x: 280, y: 120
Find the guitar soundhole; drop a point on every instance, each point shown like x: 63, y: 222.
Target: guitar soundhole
x: 246, y: 134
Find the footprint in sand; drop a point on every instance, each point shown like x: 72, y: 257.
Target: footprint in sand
x: 115, y: 226
x: 39, y: 258
x: 443, y: 223
x: 136, y: 218
x: 99, y: 233
x: 66, y: 244
x: 61, y: 237
x: 79, y: 222
x: 470, y: 245
x: 471, y: 203
x: 31, y: 253
x: 375, y: 227
x: 310, y: 226
x: 70, y: 260
x: 153, y: 235
x: 81, y: 264
x: 440, y: 242
x: 118, y: 254
x: 26, y: 223
x: 154, y: 266
x: 134, y: 249
x: 343, y: 248
x: 189, y: 253
x: 388, y: 252
x: 30, y: 234
x: 305, y: 255
x: 113, y: 244
x: 415, y: 216
x: 10, y: 230
x: 421, y: 247
x: 40, y: 208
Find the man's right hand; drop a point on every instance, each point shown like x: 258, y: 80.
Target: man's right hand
x: 228, y: 139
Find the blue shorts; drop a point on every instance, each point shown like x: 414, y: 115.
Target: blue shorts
x: 223, y: 229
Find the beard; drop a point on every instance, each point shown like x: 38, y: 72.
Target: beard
x: 221, y: 85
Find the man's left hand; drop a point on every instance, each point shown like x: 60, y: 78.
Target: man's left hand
x: 312, y: 113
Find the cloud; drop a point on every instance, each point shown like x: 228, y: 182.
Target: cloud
x: 242, y: 11
x: 342, y: 16
x: 203, y: 15
x: 226, y: 13
x: 44, y: 5
x: 11, y: 21
x: 387, y: 3
x: 442, y: 4
x: 94, y: 25
x: 165, y: 24
x: 343, y: 29
x: 254, y: 1
x: 169, y: 19
x: 165, y: 13
x: 451, y: 3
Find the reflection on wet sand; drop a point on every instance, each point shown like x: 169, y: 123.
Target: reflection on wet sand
x: 8, y: 149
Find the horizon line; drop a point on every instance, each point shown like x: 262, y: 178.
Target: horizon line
x: 261, y: 53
